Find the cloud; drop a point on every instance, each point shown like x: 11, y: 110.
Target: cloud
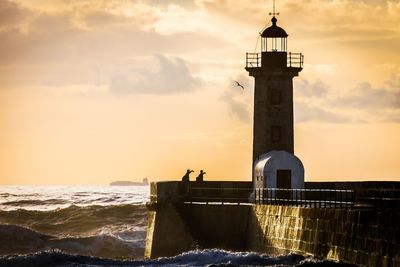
x: 11, y: 14
x: 173, y: 76
x: 91, y: 44
x: 103, y: 19
x: 306, y: 113
x: 366, y: 97
x: 305, y: 88
x: 364, y: 103
x: 236, y: 100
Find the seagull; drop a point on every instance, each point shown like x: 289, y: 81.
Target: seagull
x: 238, y: 84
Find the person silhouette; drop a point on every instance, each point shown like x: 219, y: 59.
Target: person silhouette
x: 200, y: 177
x: 185, y: 178
x: 186, y: 183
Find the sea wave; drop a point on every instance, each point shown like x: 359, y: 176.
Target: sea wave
x: 56, y: 197
x: 79, y: 221
x: 209, y: 257
x: 25, y: 240
x: 35, y: 202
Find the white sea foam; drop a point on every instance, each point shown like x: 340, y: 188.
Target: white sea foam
x: 46, y: 198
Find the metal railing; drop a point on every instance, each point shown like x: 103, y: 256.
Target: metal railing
x: 253, y: 60
x: 312, y: 198
x: 218, y: 195
x: 378, y: 199
x: 294, y: 60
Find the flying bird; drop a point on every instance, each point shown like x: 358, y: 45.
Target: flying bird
x: 238, y: 84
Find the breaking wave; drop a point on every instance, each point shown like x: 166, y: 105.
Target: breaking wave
x: 98, y: 226
x: 210, y: 258
x: 24, y: 241
x: 77, y: 221
x: 101, y: 231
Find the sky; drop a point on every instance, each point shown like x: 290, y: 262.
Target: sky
x: 102, y: 90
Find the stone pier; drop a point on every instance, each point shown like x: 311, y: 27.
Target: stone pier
x: 364, y: 237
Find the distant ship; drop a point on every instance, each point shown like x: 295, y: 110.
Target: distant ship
x: 130, y: 183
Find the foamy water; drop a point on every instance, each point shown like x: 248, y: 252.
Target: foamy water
x: 100, y: 221
x: 97, y: 226
x: 57, y: 197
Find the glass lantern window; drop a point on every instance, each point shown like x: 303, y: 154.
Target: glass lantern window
x: 274, y: 44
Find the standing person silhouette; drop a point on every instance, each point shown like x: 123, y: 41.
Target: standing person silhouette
x: 185, y: 178
x: 200, y: 177
x: 186, y: 183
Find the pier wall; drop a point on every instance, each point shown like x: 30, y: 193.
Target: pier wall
x: 362, y: 237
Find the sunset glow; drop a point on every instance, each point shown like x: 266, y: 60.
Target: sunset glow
x: 102, y: 90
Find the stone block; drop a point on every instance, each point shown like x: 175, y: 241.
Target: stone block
x: 311, y: 237
x: 333, y: 253
x: 323, y: 236
x: 344, y: 240
x: 373, y: 259
x: 343, y: 253
x: 388, y: 249
x: 351, y: 255
x: 296, y: 245
x: 330, y: 213
x: 388, y: 234
x: 324, y: 250
x: 396, y: 262
x: 293, y: 221
x: 362, y: 258
x: 361, y: 243
x: 298, y: 223
x: 314, y: 224
x: 340, y: 215
x: 373, y: 231
x: 350, y: 216
x: 299, y: 234
x: 337, y: 238
x: 315, y: 213
x: 380, y: 218
x: 397, y: 237
x: 303, y: 246
x: 349, y: 228
x: 386, y: 261
x: 308, y: 224
x: 290, y: 234
x: 384, y: 248
x: 396, y: 250
x: 331, y: 238
x: 307, y: 213
x: 394, y: 219
x: 367, y: 217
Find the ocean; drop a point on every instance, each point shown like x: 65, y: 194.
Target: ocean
x: 98, y: 226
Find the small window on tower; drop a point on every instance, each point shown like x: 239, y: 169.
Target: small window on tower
x: 276, y: 133
x: 276, y: 97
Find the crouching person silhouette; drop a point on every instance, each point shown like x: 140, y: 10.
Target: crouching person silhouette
x: 200, y: 177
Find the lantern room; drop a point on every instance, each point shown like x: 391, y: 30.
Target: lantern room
x: 274, y: 46
x: 274, y: 38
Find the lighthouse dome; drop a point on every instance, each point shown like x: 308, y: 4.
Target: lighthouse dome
x: 274, y: 31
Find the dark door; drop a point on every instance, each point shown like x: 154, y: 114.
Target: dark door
x: 283, y: 181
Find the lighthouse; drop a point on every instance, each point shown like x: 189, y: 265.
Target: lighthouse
x: 273, y: 69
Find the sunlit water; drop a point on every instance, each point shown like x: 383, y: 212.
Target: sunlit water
x: 57, y: 197
x: 97, y: 226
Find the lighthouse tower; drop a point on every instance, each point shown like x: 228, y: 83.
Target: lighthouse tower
x: 273, y: 70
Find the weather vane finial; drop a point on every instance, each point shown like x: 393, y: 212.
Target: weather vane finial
x: 274, y: 13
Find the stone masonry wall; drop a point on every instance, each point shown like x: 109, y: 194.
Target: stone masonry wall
x: 361, y: 237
